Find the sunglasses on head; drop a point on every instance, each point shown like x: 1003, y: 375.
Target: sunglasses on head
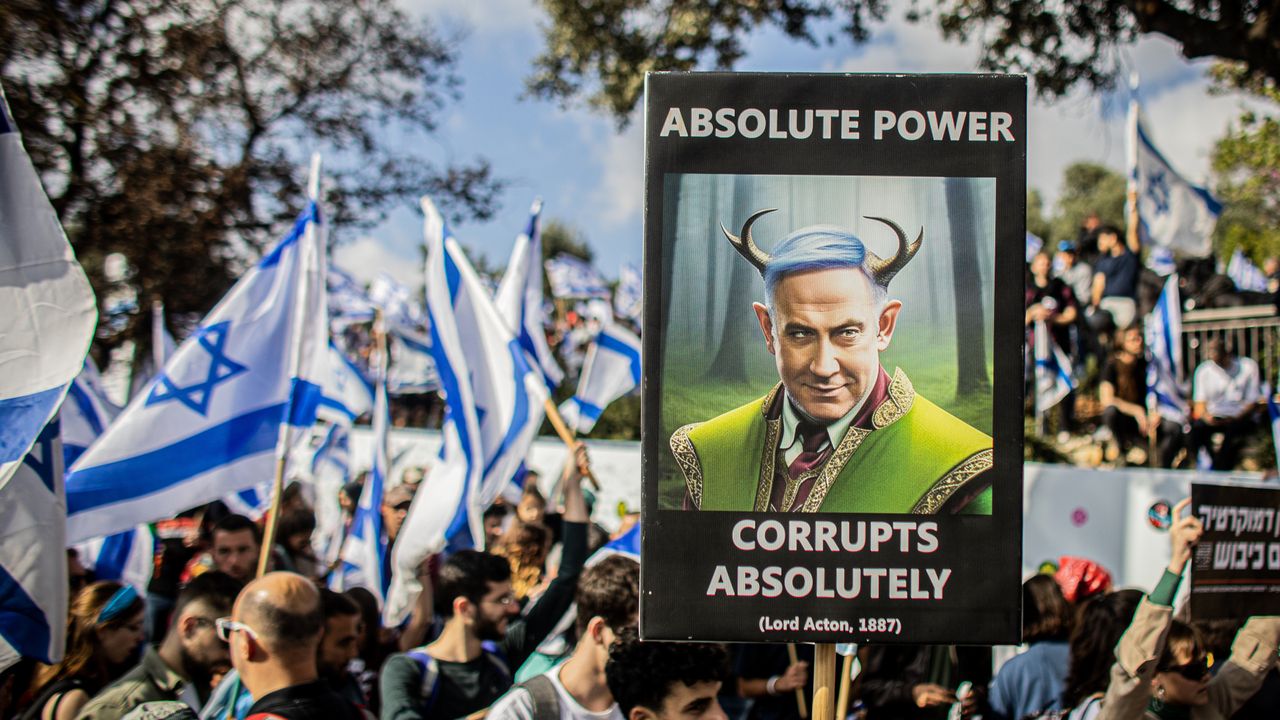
x: 1194, y: 670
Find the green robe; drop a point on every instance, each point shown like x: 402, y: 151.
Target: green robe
x: 915, y: 458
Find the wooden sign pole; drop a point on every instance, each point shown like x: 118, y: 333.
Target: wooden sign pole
x: 824, y: 682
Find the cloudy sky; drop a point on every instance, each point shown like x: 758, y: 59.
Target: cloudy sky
x: 591, y: 176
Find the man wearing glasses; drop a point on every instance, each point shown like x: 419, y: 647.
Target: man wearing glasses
x: 185, y: 664
x: 471, y: 662
x: 274, y: 632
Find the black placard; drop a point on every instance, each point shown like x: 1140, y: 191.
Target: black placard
x: 1235, y: 568
x: 905, y: 525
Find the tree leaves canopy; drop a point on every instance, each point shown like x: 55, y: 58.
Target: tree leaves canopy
x: 599, y: 50
x: 176, y: 132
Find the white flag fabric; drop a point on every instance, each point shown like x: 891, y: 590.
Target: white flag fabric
x: 611, y: 370
x: 33, y: 561
x: 162, y: 344
x: 127, y: 556
x: 1053, y: 370
x: 412, y: 371
x: 495, y: 406
x: 571, y: 277
x: 1245, y: 274
x: 47, y: 309
x: 210, y: 423
x: 330, y: 471
x: 519, y: 298
x: 1172, y: 212
x: 628, y: 299
x: 364, y: 551
x: 400, y: 309
x: 87, y: 413
x: 348, y: 303
x: 345, y: 392
x: 1166, y: 394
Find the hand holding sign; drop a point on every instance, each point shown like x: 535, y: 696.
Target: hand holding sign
x: 1183, y: 535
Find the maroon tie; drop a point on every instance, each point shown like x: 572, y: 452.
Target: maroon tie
x: 812, y: 439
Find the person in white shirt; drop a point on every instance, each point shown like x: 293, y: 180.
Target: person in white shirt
x: 607, y: 598
x: 1226, y: 397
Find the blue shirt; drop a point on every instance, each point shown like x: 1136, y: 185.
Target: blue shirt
x: 1030, y: 682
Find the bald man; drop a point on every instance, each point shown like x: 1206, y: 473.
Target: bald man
x: 274, y: 631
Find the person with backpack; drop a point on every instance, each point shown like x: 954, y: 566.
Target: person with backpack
x: 274, y: 632
x: 482, y: 642
x: 608, y: 600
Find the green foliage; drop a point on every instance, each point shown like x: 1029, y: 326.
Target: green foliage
x: 177, y: 132
x: 1088, y: 187
x: 1246, y: 168
x: 1037, y: 223
x: 599, y: 50
x: 559, y: 237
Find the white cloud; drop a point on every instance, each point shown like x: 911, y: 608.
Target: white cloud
x: 619, y: 197
x: 366, y: 258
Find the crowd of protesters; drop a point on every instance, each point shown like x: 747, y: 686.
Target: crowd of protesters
x: 1087, y: 292
x: 528, y: 629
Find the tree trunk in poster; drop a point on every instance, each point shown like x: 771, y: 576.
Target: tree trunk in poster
x: 730, y: 361
x: 971, y: 353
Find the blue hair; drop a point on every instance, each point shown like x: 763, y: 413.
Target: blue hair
x: 817, y: 247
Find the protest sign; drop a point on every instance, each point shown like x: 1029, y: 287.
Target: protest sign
x: 1235, y: 568
x: 832, y: 359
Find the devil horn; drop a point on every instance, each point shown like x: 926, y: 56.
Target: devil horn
x: 884, y: 270
x: 745, y: 245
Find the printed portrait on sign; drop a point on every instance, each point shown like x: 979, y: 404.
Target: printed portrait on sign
x: 829, y: 343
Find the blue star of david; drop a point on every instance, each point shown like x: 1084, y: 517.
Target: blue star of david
x: 221, y: 369
x: 43, y: 466
x: 1158, y: 191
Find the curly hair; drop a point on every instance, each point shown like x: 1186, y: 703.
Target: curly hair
x: 642, y: 673
x: 1100, y: 622
x: 525, y: 546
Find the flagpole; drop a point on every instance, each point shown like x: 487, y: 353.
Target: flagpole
x: 801, y: 706
x: 566, y: 435
x: 283, y: 438
x: 824, y: 676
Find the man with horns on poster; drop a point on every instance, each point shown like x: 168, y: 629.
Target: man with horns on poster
x: 838, y: 433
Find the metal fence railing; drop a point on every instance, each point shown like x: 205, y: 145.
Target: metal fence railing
x: 1254, y: 331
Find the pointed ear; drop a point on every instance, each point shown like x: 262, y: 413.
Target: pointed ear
x: 766, y: 326
x: 888, y: 322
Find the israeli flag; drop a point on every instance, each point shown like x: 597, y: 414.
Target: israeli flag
x: 345, y: 393
x: 1165, y: 392
x: 519, y: 298
x: 1034, y: 245
x: 399, y: 307
x: 571, y: 277
x: 1172, y: 212
x: 213, y: 420
x: 348, y: 303
x: 365, y: 548
x: 495, y: 404
x: 127, y: 556
x: 1053, y: 370
x: 626, y: 544
x: 1245, y: 274
x: 628, y: 299
x: 33, y: 561
x: 611, y: 370
x: 330, y: 471
x: 86, y: 413
x: 49, y: 311
x: 1161, y: 261
x: 412, y: 370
